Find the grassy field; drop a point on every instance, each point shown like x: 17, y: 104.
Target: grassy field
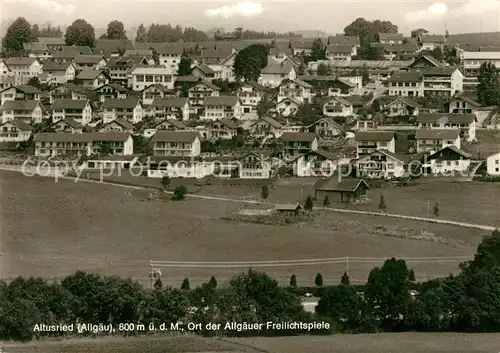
x: 488, y: 144
x: 53, y: 229
x: 375, y: 343
x: 130, y: 345
x: 381, y: 343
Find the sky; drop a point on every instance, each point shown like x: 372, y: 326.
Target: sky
x: 278, y: 15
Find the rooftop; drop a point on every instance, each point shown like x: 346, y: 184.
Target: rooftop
x: 175, y: 136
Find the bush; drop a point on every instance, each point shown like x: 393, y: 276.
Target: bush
x: 179, y: 193
x: 185, y: 284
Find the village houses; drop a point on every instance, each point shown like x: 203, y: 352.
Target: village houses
x: 55, y: 73
x: 67, y: 125
x: 170, y: 108
x: 338, y: 107
x: 326, y: 128
x: 110, y: 91
x: 287, y: 106
x: 250, y: 94
x: 275, y: 73
x: 317, y: 163
x: 90, y: 62
x: 176, y: 143
x: 381, y: 164
x: 50, y: 144
x: 446, y: 160
x: 221, y: 129
x: 266, y: 127
x: 24, y: 69
x: 493, y: 164
x: 67, y: 91
x: 222, y: 107
x: 129, y: 109
x: 92, y: 79
x: 150, y: 93
x: 78, y: 110
x: 296, y: 89
x: 143, y: 77
x: 199, y: 92
x: 28, y: 111
x: 15, y: 131
x: 24, y: 92
x: 370, y: 141
x: 118, y: 125
x: 431, y: 141
x: 465, y: 123
x: 295, y: 144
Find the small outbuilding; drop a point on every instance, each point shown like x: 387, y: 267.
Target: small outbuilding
x: 346, y: 190
x: 289, y: 209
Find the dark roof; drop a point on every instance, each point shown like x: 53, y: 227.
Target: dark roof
x: 89, y: 74
x: 387, y: 100
x: 138, y: 52
x: 338, y: 99
x: 446, y: 118
x: 435, y: 134
x: 298, y: 136
x: 215, y: 54
x: 277, y: 68
x: 466, y: 99
x: 484, y: 38
x: 439, y: 71
x: 17, y: 61
x: 53, y: 66
x: 21, y: 125
x: 115, y: 86
x: 339, y: 48
x: 342, y: 39
x: 222, y: 100
x: 188, y: 78
x: 174, y: 102
x: 72, y: 51
x: 61, y: 137
x: 207, y: 84
x: 406, y: 77
x: 109, y: 136
x: 127, y: 103
x: 158, y: 87
x: 168, y: 48
x: 374, y: 135
x: 28, y: 89
x: 205, y: 69
x: 88, y: 59
x: 432, y: 38
x: 79, y: 104
x: 228, y: 122
x: 72, y: 123
x: 429, y: 58
x: 345, y: 185
x: 51, y: 40
x: 390, y: 36
x: 402, y: 158
x: 177, y: 123
x: 175, y: 136
x: 123, y: 123
x: 454, y: 149
x: 270, y: 121
x: 20, y: 105
x: 106, y: 46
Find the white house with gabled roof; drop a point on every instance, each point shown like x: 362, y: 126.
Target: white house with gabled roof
x: 78, y: 110
x: 129, y: 109
x: 297, y: 89
x: 24, y: 69
x: 143, y: 77
x: 15, y: 131
x: 29, y: 111
x: 228, y: 107
x: 465, y: 123
x: 275, y: 73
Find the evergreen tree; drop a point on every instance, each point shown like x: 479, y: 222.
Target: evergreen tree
x: 488, y: 88
x: 293, y: 281
x: 318, y: 50
x: 308, y: 205
x: 345, y: 279
x: 381, y: 205
x: 184, y: 68
x: 185, y: 284
x: 318, y: 280
x: 158, y: 284
x: 264, y: 192
x: 326, y: 201
x: 141, y: 34
x: 436, y: 209
x: 213, y: 282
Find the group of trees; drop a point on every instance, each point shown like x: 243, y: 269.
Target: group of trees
x: 367, y: 32
x: 390, y: 301
x: 239, y: 33
x: 488, y: 88
x: 157, y: 33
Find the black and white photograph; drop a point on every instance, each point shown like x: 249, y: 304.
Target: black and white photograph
x: 259, y: 176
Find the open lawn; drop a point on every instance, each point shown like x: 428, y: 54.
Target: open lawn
x: 155, y: 344
x: 375, y: 343
x: 53, y: 229
x: 381, y: 343
x: 473, y: 202
x: 488, y: 144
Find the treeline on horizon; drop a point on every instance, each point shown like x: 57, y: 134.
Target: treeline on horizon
x: 467, y: 302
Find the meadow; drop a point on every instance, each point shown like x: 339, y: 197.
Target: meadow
x: 53, y: 229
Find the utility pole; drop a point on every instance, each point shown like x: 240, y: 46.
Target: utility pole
x: 347, y: 265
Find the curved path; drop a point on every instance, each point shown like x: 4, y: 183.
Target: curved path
x: 258, y: 202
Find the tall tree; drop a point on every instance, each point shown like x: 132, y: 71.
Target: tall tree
x: 116, y: 30
x: 250, y: 61
x: 488, y: 88
x: 318, y: 280
x: 18, y: 34
x: 365, y: 79
x: 51, y: 32
x: 367, y: 32
x: 324, y: 70
x: 318, y: 50
x: 80, y: 32
x: 184, y: 68
x: 388, y: 292
x: 35, y: 30
x: 141, y: 35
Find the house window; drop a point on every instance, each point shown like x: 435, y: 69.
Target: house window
x: 497, y: 161
x: 496, y: 170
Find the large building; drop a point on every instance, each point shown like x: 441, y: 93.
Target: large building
x: 471, y: 62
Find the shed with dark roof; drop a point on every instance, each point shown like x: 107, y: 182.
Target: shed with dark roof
x: 345, y: 190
